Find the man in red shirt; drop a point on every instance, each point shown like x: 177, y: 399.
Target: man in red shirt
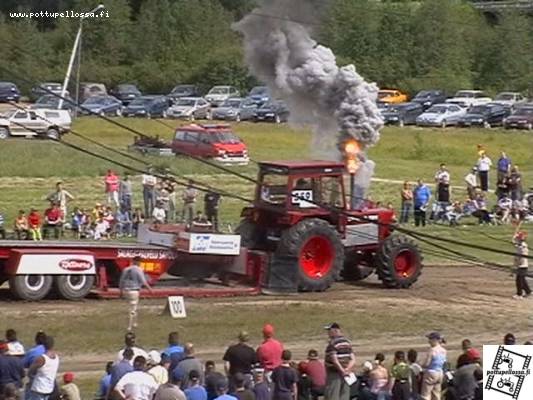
x: 317, y: 373
x: 111, y: 181
x: 269, y: 352
x: 53, y: 220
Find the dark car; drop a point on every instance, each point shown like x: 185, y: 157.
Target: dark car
x: 102, y: 105
x: 402, y: 114
x: 45, y: 88
x: 49, y: 101
x: 259, y: 95
x: 9, y: 92
x: 147, y: 106
x: 126, y: 93
x: 485, y: 115
x: 276, y: 111
x: 180, y: 91
x: 522, y: 118
x: 429, y: 97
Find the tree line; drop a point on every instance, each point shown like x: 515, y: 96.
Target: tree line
x: 159, y: 43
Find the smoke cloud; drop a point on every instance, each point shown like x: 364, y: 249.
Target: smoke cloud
x: 335, y: 101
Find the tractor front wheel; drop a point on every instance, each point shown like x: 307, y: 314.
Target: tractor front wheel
x: 318, y: 249
x: 398, y: 262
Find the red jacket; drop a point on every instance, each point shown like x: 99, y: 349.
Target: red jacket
x: 34, y: 219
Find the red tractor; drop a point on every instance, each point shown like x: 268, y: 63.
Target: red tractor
x: 300, y: 216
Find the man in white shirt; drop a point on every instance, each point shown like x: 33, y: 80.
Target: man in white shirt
x: 521, y: 264
x: 483, y: 166
x: 159, y: 214
x: 442, y: 175
x: 149, y: 182
x: 471, y: 183
x: 136, y: 385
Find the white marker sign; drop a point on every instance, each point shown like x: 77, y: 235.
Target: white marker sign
x: 176, y: 305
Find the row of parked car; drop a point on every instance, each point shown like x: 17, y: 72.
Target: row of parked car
x: 466, y: 108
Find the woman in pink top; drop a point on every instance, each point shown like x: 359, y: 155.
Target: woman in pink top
x: 111, y: 187
x: 379, y: 378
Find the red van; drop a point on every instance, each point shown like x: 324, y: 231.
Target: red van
x: 211, y: 141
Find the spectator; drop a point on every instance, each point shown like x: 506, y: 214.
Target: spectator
x: 379, y: 377
x: 478, y: 393
x: 433, y: 368
x: 317, y: 373
x: 464, y: 381
x: 156, y: 368
x: 170, y: 188
x: 124, y: 223
x: 111, y: 182
x: 422, y: 195
x: 78, y: 222
x: 163, y: 198
x: 14, y: 347
x: 159, y: 215
x: 483, y: 166
x: 222, y: 391
x: 285, y: 379
x: 504, y: 167
x: 105, y: 382
x: 200, y: 222
x: 21, y: 226
x: 35, y: 351
x: 130, y: 342
x: 521, y: 264
x: 304, y: 382
x: 101, y: 228
x: 211, y: 206
x: 171, y: 390
x: 504, y: 207
x: 466, y: 345
x: 69, y: 390
x: 240, y: 358
x: 174, y: 350
x: 11, y: 368
x: 189, y: 201
x: 416, y: 373
x: 481, y: 212
x: 509, y: 339
x: 124, y: 366
x: 442, y: 180
x: 132, y: 280
x: 137, y: 219
x: 149, y: 182
x: 97, y: 211
x: 211, y: 379
x: 261, y: 388
x: 407, y: 202
x: 339, y: 363
x: 61, y: 197
x: 53, y: 221
x: 11, y: 392
x: 190, y: 363
x: 138, y: 384
x: 125, y: 193
x: 400, y: 374
x: 195, y: 391
x: 471, y: 183
x: 269, y: 352
x: 43, y: 372
x: 514, y: 183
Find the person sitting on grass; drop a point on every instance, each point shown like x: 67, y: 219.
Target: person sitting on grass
x: 109, y: 217
x: 78, y: 219
x: 34, y: 224
x: 21, y: 227
x: 101, y: 228
x: 159, y: 214
x: 53, y: 221
x: 123, y: 222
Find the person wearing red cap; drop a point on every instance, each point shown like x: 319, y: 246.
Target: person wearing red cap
x: 464, y: 381
x: 521, y: 264
x: 269, y: 352
x: 69, y: 390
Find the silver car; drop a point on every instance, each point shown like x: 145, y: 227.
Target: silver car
x: 236, y: 109
x: 219, y: 94
x: 190, y: 108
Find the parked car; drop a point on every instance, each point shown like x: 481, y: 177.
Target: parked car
x: 219, y: 94
x: 88, y: 89
x: 190, y: 108
x: 391, y: 96
x: 102, y: 105
x: 521, y: 118
x: 259, y: 95
x: 469, y: 98
x: 486, y: 115
x: 9, y: 92
x: 402, y: 114
x: 45, y: 88
x: 276, y: 111
x: 213, y: 141
x: 126, y: 92
x: 50, y: 102
x: 429, y: 97
x: 236, y: 109
x: 180, y: 91
x: 509, y: 99
x: 147, y: 106
x: 442, y: 115
x: 46, y: 123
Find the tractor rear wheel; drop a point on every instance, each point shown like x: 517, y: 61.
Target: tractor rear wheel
x: 319, y: 251
x: 398, y: 262
x: 356, y: 267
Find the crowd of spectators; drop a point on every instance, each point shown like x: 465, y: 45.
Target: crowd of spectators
x: 118, y: 215
x: 267, y: 372
x: 511, y: 203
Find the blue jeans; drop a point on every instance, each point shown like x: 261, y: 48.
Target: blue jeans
x: 36, y: 396
x: 405, y: 211
x: 149, y: 200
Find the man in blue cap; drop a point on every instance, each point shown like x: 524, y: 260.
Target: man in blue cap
x: 171, y: 390
x: 433, y: 368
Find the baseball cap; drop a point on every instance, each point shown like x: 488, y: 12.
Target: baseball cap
x: 434, y: 336
x: 268, y: 330
x: 333, y: 325
x: 154, y: 357
x: 68, y: 377
x: 473, y: 354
